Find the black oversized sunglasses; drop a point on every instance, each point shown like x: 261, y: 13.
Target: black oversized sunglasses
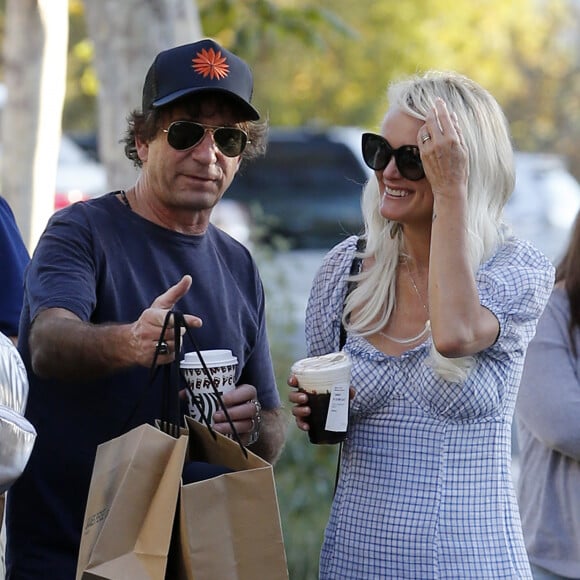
x: 377, y: 153
x: 182, y: 135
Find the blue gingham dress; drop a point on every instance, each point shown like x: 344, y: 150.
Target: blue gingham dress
x: 425, y: 489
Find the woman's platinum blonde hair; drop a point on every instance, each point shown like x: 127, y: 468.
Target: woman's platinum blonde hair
x: 491, y: 182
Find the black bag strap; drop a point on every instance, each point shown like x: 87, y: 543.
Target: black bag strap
x: 174, y: 377
x: 179, y: 321
x: 355, y: 268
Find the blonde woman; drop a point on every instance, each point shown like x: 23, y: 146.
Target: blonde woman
x: 437, y: 327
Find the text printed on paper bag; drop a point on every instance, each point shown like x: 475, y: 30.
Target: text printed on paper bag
x: 97, y: 518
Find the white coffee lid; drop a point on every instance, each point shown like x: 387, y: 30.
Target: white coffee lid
x: 212, y: 358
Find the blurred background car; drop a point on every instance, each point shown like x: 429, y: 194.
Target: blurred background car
x: 78, y: 176
x: 544, y: 203
x: 306, y: 190
x: 301, y: 198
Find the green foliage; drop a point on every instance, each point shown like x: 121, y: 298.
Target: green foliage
x: 82, y: 86
x: 305, y: 483
x: 329, y: 62
x: 524, y: 52
x: 250, y: 26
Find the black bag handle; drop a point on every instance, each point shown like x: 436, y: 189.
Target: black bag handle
x: 170, y: 407
x: 179, y: 322
x: 355, y: 268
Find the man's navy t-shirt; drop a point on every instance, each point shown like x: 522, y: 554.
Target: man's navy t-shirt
x: 106, y: 264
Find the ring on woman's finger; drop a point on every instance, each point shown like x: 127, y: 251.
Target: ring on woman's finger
x: 425, y: 138
x: 162, y: 347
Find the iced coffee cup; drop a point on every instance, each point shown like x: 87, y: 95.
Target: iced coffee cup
x: 202, y: 399
x: 326, y: 381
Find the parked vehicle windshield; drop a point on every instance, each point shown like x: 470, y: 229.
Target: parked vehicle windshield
x: 306, y: 189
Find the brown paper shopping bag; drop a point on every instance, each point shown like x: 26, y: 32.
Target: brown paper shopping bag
x: 131, y: 506
x: 229, y: 526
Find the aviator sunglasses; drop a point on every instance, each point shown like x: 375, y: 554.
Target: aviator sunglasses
x: 377, y: 153
x: 182, y: 135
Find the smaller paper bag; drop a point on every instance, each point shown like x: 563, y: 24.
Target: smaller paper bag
x: 229, y: 526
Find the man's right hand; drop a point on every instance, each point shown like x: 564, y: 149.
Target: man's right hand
x: 63, y: 346
x: 146, y: 330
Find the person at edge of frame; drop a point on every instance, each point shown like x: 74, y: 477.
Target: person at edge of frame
x: 548, y: 428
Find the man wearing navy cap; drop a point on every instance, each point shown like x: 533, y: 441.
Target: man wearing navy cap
x: 103, y: 277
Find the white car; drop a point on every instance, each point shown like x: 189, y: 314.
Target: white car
x: 544, y: 203
x: 78, y: 176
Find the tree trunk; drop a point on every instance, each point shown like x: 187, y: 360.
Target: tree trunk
x: 35, y: 49
x: 127, y: 34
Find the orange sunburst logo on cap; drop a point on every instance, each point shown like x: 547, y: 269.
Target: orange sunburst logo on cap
x: 210, y: 63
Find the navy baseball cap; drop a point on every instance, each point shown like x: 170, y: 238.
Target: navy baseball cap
x: 202, y: 66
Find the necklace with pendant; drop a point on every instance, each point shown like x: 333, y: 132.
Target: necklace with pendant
x: 426, y: 329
